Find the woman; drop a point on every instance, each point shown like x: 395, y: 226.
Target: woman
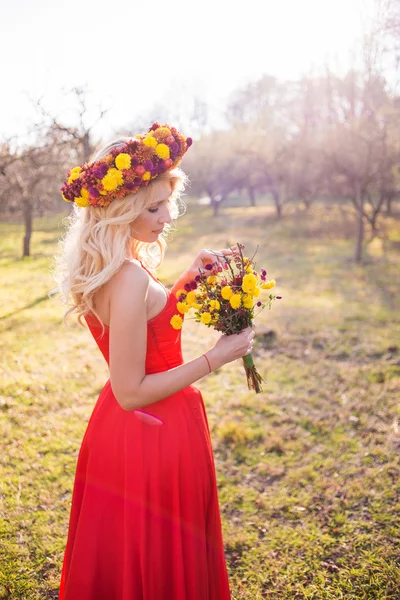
x: 145, y: 521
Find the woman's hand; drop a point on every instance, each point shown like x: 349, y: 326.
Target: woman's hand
x: 231, y: 347
x: 208, y: 256
x: 202, y: 258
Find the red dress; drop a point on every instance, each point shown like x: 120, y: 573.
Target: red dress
x: 145, y: 521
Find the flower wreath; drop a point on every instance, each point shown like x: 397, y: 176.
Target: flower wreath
x: 127, y: 168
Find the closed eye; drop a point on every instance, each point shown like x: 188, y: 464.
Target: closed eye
x: 154, y: 209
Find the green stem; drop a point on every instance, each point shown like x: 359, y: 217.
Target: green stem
x: 248, y: 360
x: 254, y: 379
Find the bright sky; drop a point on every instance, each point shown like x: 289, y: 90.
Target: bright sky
x: 131, y: 54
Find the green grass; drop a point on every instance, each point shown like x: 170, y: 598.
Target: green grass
x: 308, y: 471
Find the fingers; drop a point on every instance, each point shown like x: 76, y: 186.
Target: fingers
x: 248, y: 332
x: 208, y: 255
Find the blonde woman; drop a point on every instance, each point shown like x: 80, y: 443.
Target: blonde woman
x: 144, y: 521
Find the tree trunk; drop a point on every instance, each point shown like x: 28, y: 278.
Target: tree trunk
x: 360, y: 224
x: 389, y: 198
x: 252, y: 196
x: 278, y: 206
x: 28, y: 228
x: 215, y: 206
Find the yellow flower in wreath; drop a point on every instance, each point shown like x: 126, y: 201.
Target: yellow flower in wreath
x: 74, y: 174
x: 83, y: 199
x: 123, y: 161
x: 149, y: 140
x: 112, y: 179
x: 162, y: 151
x: 82, y: 202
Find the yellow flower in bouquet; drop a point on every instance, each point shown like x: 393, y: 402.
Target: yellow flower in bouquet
x: 215, y: 305
x: 183, y: 307
x: 247, y: 301
x: 205, y: 318
x: 268, y: 285
x: 176, y: 322
x: 226, y: 292
x: 249, y: 283
x: 235, y: 300
x: 191, y: 298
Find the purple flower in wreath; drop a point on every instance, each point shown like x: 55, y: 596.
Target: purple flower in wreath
x: 100, y: 171
x: 94, y: 192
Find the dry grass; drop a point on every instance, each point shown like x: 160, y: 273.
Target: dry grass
x: 308, y: 471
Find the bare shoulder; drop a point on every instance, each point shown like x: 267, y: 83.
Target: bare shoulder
x: 130, y: 281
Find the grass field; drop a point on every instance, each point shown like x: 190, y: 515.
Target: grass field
x: 308, y: 471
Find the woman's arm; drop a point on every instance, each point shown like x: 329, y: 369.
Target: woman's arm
x: 128, y: 340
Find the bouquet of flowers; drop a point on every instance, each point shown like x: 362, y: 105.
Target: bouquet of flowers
x: 225, y: 298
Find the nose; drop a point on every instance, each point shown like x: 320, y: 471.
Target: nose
x: 165, y: 215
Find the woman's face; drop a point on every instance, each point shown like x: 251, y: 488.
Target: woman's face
x: 148, y: 226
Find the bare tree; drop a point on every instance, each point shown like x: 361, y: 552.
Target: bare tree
x: 31, y: 174
x: 28, y: 183
x: 79, y: 136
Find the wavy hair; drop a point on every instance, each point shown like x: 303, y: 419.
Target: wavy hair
x: 97, y: 241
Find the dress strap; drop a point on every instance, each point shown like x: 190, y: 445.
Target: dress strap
x: 153, y: 277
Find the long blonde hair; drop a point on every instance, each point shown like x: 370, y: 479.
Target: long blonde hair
x: 97, y: 241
